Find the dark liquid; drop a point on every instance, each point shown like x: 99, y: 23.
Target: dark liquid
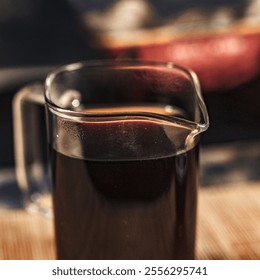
x: 126, y: 209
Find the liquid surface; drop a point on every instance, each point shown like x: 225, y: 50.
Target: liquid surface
x: 166, y: 110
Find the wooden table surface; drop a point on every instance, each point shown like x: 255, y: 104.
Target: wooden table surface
x: 228, y: 227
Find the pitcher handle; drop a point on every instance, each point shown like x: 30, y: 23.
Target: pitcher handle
x: 31, y: 172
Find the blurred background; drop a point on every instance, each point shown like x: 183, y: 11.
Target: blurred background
x: 218, y: 39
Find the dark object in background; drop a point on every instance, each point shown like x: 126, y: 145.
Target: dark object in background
x: 39, y: 32
x: 35, y: 36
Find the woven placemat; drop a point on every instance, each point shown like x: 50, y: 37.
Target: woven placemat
x: 25, y: 236
x: 228, y: 227
x: 229, y: 222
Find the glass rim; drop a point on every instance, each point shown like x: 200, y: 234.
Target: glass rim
x: 123, y: 63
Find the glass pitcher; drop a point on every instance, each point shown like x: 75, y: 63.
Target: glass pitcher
x: 123, y: 151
